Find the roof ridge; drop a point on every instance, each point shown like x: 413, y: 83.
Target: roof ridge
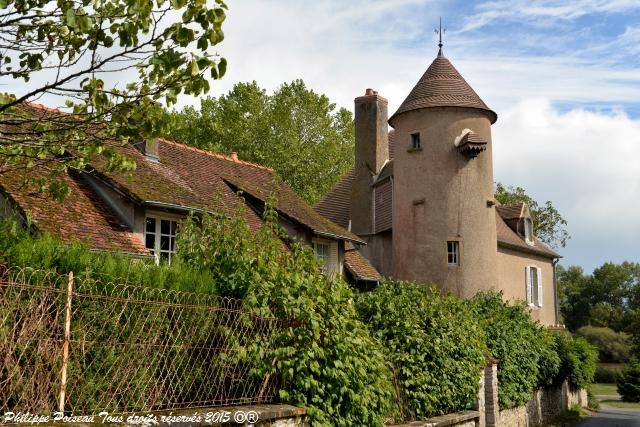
x: 44, y: 107
x: 217, y: 155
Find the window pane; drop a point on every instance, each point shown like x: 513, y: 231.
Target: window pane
x: 173, y: 228
x: 164, y: 255
x: 172, y: 247
x: 151, y: 225
x: 164, y: 243
x: 150, y: 241
x: 165, y: 226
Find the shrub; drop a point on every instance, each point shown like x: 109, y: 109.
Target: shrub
x: 613, y: 347
x: 549, y: 363
x: 325, y: 358
x: 608, y: 373
x: 517, y: 342
x: 629, y: 383
x: 436, y: 347
x: 19, y: 248
x: 579, y: 360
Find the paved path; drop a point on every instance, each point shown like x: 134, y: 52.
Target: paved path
x: 608, y: 416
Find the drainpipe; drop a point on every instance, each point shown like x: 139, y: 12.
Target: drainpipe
x: 555, y: 288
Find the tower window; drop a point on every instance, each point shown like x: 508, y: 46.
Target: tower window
x: 415, y: 141
x: 453, y: 253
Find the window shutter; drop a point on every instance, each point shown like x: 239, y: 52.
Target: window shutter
x: 528, y: 275
x: 334, y: 263
x: 539, y: 287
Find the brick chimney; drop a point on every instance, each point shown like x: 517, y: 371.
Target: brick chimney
x: 372, y: 151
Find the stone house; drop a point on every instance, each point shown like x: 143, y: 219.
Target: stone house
x: 137, y: 213
x: 421, y: 196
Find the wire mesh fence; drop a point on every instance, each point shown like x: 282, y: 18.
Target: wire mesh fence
x: 87, y: 346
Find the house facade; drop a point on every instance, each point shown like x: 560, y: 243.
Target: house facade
x: 421, y: 196
x: 138, y: 213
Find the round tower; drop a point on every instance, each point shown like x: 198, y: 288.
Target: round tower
x: 444, y: 226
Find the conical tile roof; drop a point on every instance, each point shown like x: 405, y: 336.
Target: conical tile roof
x: 442, y: 86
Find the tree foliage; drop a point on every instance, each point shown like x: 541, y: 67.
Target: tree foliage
x: 110, y: 62
x: 434, y: 344
x: 549, y: 225
x: 613, y: 347
x: 295, y: 131
x: 607, y: 298
x: 629, y: 383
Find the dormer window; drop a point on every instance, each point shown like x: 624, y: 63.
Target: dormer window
x: 528, y: 231
x: 415, y: 141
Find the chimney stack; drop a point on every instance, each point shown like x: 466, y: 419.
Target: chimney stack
x: 371, y: 153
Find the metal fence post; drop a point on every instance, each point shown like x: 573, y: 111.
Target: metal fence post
x: 65, y: 345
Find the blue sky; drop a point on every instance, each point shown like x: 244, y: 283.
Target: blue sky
x: 564, y: 78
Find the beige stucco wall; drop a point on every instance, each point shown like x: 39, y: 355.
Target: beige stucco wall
x: 512, y: 281
x: 444, y: 197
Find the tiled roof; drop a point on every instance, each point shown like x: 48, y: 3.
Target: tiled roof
x: 442, y: 86
x: 82, y: 216
x: 192, y: 178
x: 509, y: 238
x: 336, y: 204
x: 511, y: 211
x: 358, y: 265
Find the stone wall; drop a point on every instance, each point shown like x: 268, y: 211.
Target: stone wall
x: 544, y: 406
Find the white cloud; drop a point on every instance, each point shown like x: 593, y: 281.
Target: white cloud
x: 586, y: 164
x: 542, y: 12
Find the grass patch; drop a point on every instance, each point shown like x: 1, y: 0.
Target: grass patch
x: 604, y: 389
x: 621, y: 404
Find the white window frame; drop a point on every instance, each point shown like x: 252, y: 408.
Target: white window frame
x: 325, y: 255
x: 528, y: 231
x: 533, y: 290
x: 455, y: 253
x: 157, y: 233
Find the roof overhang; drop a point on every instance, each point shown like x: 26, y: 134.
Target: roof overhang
x: 530, y: 250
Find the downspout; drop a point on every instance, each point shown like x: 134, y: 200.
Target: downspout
x: 555, y: 288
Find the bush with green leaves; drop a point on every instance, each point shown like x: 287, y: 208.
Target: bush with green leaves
x: 518, y: 343
x: 433, y: 343
x: 613, y: 347
x: 629, y: 382
x: 579, y: 360
x: 19, y: 248
x: 549, y: 363
x: 324, y: 358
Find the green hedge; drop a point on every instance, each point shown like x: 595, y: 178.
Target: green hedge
x: 433, y: 343
x: 325, y: 358
x: 519, y: 344
x: 41, y: 251
x: 579, y: 360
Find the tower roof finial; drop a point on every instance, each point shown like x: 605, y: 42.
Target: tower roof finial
x: 440, y: 31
